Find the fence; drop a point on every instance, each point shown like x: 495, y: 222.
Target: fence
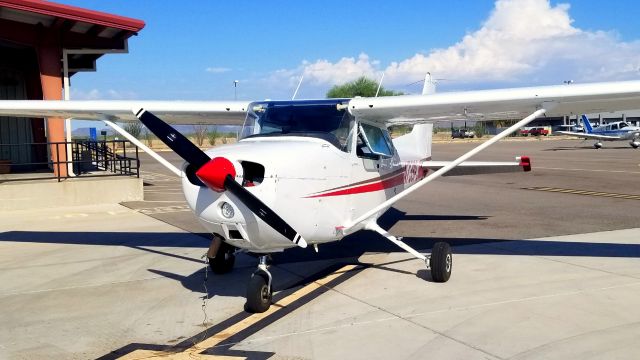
x: 87, y: 159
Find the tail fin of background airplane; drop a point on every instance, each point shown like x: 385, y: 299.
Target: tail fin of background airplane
x: 415, y: 145
x: 429, y: 86
x: 587, y: 124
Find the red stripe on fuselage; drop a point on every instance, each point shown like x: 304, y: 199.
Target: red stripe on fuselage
x: 395, y: 180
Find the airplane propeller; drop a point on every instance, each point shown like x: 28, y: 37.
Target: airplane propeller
x: 218, y: 174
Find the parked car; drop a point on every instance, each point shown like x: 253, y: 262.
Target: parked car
x: 524, y: 132
x: 462, y: 133
x: 539, y: 132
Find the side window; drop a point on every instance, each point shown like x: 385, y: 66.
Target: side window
x: 376, y: 140
x: 614, y: 127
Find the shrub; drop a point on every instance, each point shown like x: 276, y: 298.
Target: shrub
x: 479, y: 130
x: 212, y: 136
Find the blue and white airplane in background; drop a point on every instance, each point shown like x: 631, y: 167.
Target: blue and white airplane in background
x: 617, y: 131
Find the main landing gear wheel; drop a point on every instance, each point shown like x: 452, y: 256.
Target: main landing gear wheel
x: 259, y: 290
x: 634, y: 144
x: 597, y: 145
x: 223, y: 259
x: 441, y: 262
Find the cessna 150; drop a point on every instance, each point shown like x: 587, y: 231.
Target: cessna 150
x: 307, y: 172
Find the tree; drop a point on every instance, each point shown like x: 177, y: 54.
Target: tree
x: 200, y: 133
x: 360, y: 87
x: 133, y: 128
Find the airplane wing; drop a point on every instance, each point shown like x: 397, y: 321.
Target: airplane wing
x: 174, y: 112
x: 589, y: 136
x: 487, y: 105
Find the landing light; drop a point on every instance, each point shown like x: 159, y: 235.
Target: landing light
x: 227, y: 210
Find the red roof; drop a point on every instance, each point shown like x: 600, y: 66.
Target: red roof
x: 75, y: 13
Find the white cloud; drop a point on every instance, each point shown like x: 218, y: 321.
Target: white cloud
x: 96, y: 94
x: 345, y: 69
x: 522, y: 41
x: 320, y: 74
x: 217, y: 70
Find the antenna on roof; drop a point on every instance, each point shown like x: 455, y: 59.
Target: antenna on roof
x: 379, y: 85
x: 298, y: 87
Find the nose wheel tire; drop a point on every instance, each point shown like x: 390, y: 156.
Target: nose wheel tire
x: 597, y: 145
x: 224, y: 259
x: 258, y: 294
x: 441, y: 262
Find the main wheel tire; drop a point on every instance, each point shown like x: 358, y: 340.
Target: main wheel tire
x: 258, y: 294
x: 441, y: 262
x: 223, y: 262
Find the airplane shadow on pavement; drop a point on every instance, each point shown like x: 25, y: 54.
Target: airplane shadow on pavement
x: 348, y: 250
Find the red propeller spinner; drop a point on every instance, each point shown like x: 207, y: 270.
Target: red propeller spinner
x: 214, y: 173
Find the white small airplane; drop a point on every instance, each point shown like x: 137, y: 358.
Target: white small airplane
x: 308, y: 172
x: 616, y: 131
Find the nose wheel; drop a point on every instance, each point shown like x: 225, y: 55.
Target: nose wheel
x: 597, y: 145
x: 259, y: 290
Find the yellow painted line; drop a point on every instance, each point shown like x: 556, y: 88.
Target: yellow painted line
x: 193, y: 352
x: 590, y: 193
x: 586, y: 193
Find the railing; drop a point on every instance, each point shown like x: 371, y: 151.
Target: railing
x: 87, y: 159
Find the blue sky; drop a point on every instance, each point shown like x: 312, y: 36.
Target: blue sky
x: 196, y: 49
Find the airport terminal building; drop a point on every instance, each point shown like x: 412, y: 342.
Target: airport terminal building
x: 43, y: 44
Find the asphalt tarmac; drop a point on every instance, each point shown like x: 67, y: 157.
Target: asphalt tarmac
x: 528, y: 282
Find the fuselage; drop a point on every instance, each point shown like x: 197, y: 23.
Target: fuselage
x: 619, y: 129
x: 313, y: 182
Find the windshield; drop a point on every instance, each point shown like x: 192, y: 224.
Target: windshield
x: 324, y: 119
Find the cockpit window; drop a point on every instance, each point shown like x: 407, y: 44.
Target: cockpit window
x: 325, y: 119
x: 377, y: 140
x: 623, y: 125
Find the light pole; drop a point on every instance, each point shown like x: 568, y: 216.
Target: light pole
x: 235, y: 89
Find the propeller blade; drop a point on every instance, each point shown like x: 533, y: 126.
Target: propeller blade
x: 263, y: 211
x: 218, y: 174
x: 173, y: 139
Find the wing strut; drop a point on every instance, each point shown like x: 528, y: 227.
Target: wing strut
x: 442, y: 171
x: 373, y: 226
x: 144, y: 148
